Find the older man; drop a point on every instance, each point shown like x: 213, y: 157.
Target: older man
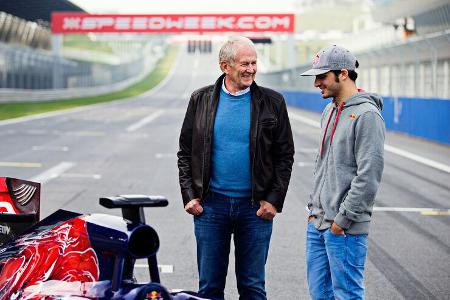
x: 235, y: 161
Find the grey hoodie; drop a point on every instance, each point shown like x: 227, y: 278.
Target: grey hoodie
x: 349, y: 167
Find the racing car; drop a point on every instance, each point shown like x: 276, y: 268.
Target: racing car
x: 69, y: 255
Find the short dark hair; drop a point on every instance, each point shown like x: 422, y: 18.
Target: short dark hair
x: 351, y: 74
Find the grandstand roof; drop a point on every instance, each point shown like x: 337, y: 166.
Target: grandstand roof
x: 388, y: 11
x: 37, y: 10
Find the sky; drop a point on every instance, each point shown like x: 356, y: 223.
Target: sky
x: 186, y: 6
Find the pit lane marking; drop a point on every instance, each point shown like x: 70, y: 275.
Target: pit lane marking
x: 144, y: 121
x: 388, y: 148
x: 16, y: 164
x: 53, y: 173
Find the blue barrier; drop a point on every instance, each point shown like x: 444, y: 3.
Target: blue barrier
x: 427, y: 118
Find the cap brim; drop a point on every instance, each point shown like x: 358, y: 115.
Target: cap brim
x: 314, y: 72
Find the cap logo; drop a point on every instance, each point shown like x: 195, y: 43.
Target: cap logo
x: 352, y: 116
x: 316, y: 59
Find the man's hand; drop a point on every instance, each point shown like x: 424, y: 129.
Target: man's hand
x: 266, y: 210
x: 193, y: 207
x: 336, y: 229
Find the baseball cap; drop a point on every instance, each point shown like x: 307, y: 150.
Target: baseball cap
x: 331, y: 58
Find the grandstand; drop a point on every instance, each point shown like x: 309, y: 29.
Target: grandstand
x: 37, y: 11
x: 29, y: 60
x: 27, y: 23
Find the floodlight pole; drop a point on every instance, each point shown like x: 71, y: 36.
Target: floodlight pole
x: 57, y: 54
x: 291, y: 60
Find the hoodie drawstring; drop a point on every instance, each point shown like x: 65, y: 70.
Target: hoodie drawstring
x: 336, y: 120
x: 325, y: 132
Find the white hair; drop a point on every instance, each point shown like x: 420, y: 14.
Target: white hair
x: 228, y: 50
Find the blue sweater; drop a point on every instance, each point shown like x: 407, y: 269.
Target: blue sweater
x: 230, y: 157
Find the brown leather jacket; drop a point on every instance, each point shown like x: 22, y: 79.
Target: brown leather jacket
x: 271, y: 144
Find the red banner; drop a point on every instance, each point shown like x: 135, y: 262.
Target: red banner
x: 83, y: 23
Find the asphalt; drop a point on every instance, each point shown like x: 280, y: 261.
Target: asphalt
x: 129, y: 147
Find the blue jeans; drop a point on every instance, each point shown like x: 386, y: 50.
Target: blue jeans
x: 222, y: 218
x: 335, y: 264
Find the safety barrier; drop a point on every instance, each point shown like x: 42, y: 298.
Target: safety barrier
x: 427, y: 118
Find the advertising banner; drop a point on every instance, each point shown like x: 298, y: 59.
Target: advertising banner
x: 84, y: 23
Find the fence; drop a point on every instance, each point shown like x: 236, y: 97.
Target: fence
x: 417, y: 67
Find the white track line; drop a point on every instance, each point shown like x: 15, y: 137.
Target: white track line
x: 46, y: 115
x: 144, y: 121
x: 53, y: 173
x: 418, y: 158
x: 17, y: 164
x: 162, y: 268
x: 50, y: 148
x: 388, y: 148
x: 422, y: 210
x: 78, y: 175
x: 165, y: 155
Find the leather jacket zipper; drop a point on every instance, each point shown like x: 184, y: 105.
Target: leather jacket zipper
x: 207, y: 139
x: 254, y: 142
x: 205, y: 135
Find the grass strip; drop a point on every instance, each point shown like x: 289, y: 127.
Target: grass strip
x: 162, y: 68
